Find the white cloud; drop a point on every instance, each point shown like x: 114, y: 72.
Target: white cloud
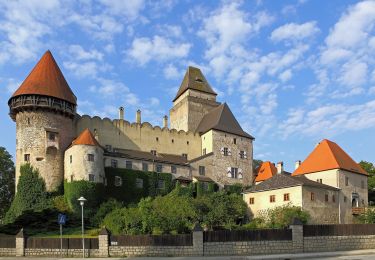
x: 79, y: 53
x: 353, y: 74
x: 171, y: 72
x: 285, y: 75
x: 128, y: 8
x: 294, y: 32
x: 144, y: 50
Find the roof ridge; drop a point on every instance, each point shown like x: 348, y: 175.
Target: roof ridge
x: 329, y: 143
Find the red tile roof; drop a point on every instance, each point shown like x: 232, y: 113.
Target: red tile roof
x: 86, y: 138
x: 47, y: 79
x: 265, y: 171
x: 327, y: 155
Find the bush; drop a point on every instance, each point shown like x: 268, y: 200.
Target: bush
x: 368, y: 217
x: 60, y: 204
x: 104, y: 209
x: 127, y: 221
x: 31, y: 194
x: 282, y: 216
x: 91, y: 191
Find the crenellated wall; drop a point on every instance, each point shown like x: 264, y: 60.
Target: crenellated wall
x: 143, y: 137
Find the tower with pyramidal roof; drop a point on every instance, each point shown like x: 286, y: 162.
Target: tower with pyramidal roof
x: 43, y: 108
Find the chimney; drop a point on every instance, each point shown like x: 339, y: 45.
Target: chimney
x: 121, y: 113
x: 138, y: 117
x: 165, y: 121
x: 280, y: 167
x: 298, y: 163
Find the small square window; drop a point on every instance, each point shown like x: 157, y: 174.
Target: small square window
x: 153, y: 152
x: 139, y: 183
x: 251, y: 200
x: 129, y: 165
x: 159, y: 168
x: 205, y: 186
x: 272, y: 198
x: 362, y: 184
x: 333, y: 198
x: 71, y: 158
x: 225, y: 151
x: 145, y: 167
x: 326, y: 198
x: 90, y: 157
x: 161, y: 184
x: 157, y: 139
x: 242, y: 154
x: 51, y: 136
x: 286, y: 197
x: 71, y: 177
x: 118, y: 181
x: 234, y: 141
x: 346, y: 181
x: 91, y: 177
x: 26, y: 157
x: 114, y: 163
x: 345, y: 198
x: 202, y: 170
x: 312, y: 196
x: 234, y: 172
x: 108, y: 147
x: 204, y: 151
x: 185, y: 155
x: 173, y: 169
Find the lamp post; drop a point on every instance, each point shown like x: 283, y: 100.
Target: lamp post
x: 82, y: 202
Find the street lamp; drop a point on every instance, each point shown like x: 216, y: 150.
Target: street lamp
x: 82, y: 202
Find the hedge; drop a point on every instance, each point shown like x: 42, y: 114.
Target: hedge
x: 128, y: 191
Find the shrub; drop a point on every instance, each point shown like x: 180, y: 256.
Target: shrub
x: 91, y: 191
x: 104, y: 209
x: 127, y: 221
x: 31, y: 194
x: 368, y: 217
x: 60, y: 204
x: 282, y: 216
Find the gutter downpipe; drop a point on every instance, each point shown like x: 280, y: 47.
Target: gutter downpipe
x: 338, y: 179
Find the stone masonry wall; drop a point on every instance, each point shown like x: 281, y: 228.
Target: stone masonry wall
x: 247, y: 248
x: 58, y: 253
x: 338, y: 243
x: 7, y: 252
x: 151, y: 251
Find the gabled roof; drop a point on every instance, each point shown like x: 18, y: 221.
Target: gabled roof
x: 327, y: 155
x: 265, y: 171
x: 222, y: 119
x: 280, y: 181
x: 86, y: 138
x: 194, y: 79
x: 46, y: 79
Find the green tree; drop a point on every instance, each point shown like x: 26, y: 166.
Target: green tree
x: 31, y: 194
x: 256, y: 164
x: 282, y: 216
x: 7, y: 181
x: 105, y: 208
x: 370, y: 169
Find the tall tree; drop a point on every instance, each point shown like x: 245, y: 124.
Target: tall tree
x: 370, y: 169
x: 7, y: 187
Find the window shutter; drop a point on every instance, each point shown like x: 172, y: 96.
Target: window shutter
x: 229, y: 169
x: 244, y: 155
x: 240, y: 175
x: 239, y: 170
x: 222, y: 150
x: 229, y: 151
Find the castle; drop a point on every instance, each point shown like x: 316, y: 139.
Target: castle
x: 203, y: 143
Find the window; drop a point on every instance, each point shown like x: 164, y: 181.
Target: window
x: 108, y: 147
x: 173, y: 169
x: 362, y: 184
x: 184, y: 155
x: 129, y: 165
x: 363, y: 202
x: 251, y: 200
x: 234, y: 173
x: 90, y: 157
x: 234, y: 141
x: 91, y: 177
x: 157, y: 139
x: 71, y: 177
x: 114, y: 163
x: 159, y: 168
x: 204, y: 151
x: 205, y: 186
x: 118, y: 181
x: 145, y: 167
x: 160, y: 184
x: 319, y: 180
x: 202, y: 170
x: 71, y: 158
x: 139, y: 183
x: 286, y: 197
x: 172, y: 141
x: 346, y: 181
x: 345, y: 198
x: 312, y: 196
x: 226, y: 151
x: 187, y: 142
x: 51, y: 136
x: 242, y: 154
x: 26, y: 157
x: 333, y: 198
x: 272, y: 198
x: 326, y: 198
x: 153, y: 152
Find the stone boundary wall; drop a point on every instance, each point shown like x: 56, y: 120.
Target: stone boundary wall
x: 338, y: 243
x: 248, y: 248
x: 298, y: 244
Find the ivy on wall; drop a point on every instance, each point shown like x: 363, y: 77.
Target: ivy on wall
x: 128, y: 191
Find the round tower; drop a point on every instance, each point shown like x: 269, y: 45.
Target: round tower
x: 43, y: 108
x: 84, y: 159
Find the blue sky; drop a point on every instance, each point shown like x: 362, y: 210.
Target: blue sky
x: 293, y: 72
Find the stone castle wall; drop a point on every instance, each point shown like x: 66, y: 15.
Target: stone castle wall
x: 46, y: 155
x: 143, y: 137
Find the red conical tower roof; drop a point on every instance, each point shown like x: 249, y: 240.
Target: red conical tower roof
x: 327, y: 156
x: 46, y: 79
x: 86, y: 138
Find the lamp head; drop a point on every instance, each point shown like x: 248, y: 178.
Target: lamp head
x: 82, y: 201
